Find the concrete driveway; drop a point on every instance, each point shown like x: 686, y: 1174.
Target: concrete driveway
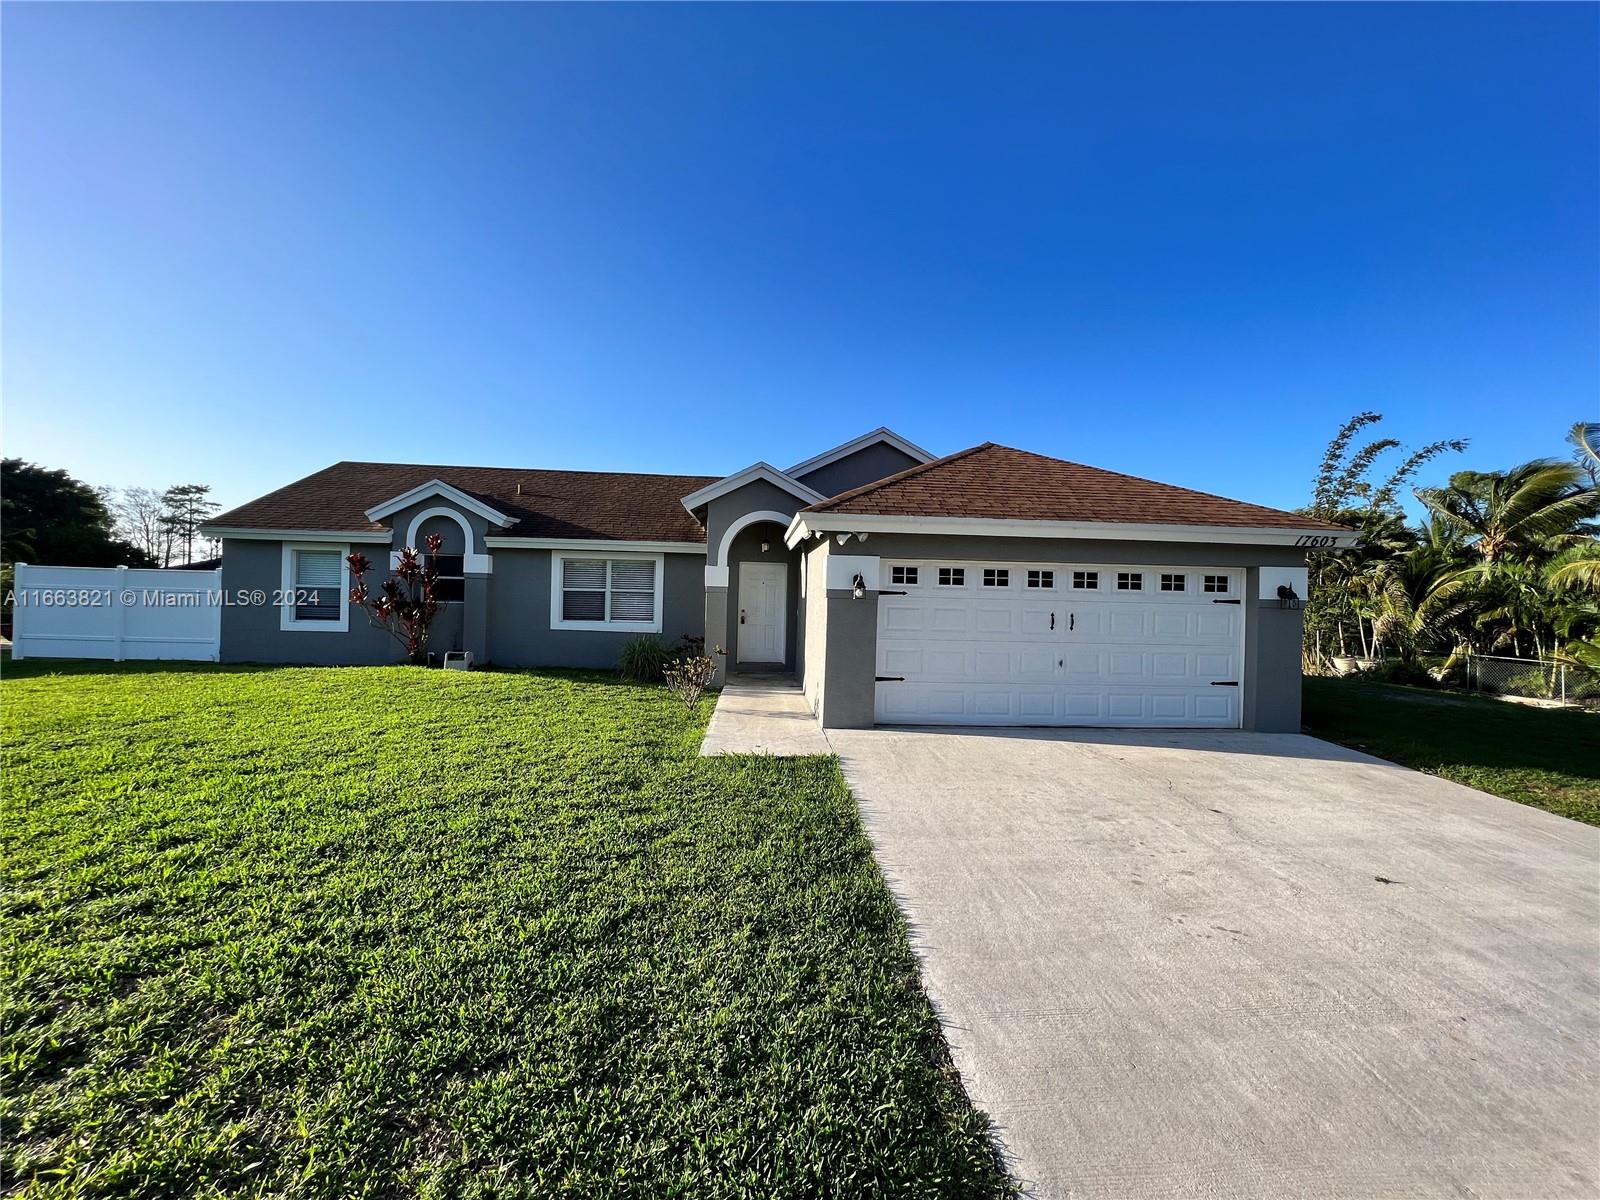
x: 1232, y: 964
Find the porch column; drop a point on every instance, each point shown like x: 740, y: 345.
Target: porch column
x: 475, y: 615
x: 717, y: 625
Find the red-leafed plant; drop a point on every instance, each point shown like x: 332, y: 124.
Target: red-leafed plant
x: 406, y: 603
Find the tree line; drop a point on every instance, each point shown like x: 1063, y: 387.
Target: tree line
x: 1501, y: 562
x: 47, y: 516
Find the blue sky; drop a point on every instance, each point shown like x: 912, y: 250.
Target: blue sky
x: 244, y: 241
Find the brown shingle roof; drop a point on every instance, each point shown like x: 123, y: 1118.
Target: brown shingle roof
x: 1006, y: 484
x: 552, y: 504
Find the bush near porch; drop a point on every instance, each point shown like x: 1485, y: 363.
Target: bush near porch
x: 388, y: 931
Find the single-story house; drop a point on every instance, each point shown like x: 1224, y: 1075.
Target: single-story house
x: 988, y: 587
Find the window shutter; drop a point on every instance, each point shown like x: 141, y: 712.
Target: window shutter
x: 633, y: 590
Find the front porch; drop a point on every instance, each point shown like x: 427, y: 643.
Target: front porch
x: 755, y: 616
x: 763, y: 713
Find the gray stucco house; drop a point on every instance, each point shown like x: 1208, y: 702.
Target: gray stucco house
x: 992, y: 586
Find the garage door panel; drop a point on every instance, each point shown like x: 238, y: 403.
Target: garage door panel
x: 900, y: 660
x: 1036, y: 621
x: 996, y: 619
x: 977, y: 655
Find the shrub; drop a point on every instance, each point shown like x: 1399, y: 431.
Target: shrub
x: 643, y: 659
x: 1398, y: 670
x: 689, y: 677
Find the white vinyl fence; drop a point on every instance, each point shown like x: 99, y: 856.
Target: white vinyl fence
x: 116, y: 613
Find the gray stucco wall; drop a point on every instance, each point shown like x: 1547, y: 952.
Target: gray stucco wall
x: 519, y: 613
x: 841, y: 686
x: 1272, y: 662
x: 757, y: 496
x: 251, y: 633
x: 746, y: 547
x: 866, y: 465
x: 839, y: 671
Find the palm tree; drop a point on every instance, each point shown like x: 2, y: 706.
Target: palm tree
x: 1537, y: 509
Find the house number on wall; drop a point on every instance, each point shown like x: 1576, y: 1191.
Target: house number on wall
x: 1316, y: 539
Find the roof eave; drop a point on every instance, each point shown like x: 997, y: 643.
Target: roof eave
x: 808, y: 523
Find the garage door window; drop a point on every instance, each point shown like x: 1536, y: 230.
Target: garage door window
x: 1041, y: 579
x: 1216, y: 583
x: 1086, y: 580
x: 1130, y: 581
x: 905, y: 575
x: 996, y: 578
x: 952, y: 577
x: 1172, y: 583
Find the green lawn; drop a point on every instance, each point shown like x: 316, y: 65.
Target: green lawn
x: 1546, y: 758
x: 389, y: 932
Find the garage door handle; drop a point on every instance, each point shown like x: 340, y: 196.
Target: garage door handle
x: 1224, y: 683
x: 1052, y: 620
x: 1072, y: 622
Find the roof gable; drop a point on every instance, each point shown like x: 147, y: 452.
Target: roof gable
x: 881, y: 434
x: 732, y: 483
x: 439, y: 488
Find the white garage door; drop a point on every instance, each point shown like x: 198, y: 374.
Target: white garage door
x: 1059, y: 644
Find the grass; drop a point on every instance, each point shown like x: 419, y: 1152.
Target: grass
x: 388, y: 932
x: 1549, y: 759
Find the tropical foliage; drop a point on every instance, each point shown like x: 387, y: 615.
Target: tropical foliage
x: 1502, y: 562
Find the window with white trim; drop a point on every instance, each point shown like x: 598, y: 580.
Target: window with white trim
x: 1172, y: 583
x: 1041, y: 579
x: 1216, y: 583
x: 315, y: 587
x: 1130, y: 581
x: 904, y: 575
x: 606, y: 592
x: 996, y: 577
x: 1086, y: 580
x: 952, y: 577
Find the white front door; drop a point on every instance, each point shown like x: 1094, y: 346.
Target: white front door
x: 986, y: 643
x: 763, y: 596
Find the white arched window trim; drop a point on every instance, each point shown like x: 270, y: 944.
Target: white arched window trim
x: 473, y: 564
x: 717, y: 572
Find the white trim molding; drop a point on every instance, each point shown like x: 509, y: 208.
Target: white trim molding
x: 297, y: 535
x: 808, y: 524
x: 881, y: 434
x: 601, y: 544
x: 439, y: 510
x: 716, y: 577
x: 752, y: 473
x: 744, y: 522
x: 286, y: 595
x: 438, y: 487
x: 557, y: 558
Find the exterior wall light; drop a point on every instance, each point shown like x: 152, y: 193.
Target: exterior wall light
x: 858, y: 587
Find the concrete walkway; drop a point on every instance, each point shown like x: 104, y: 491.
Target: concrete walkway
x: 1229, y: 964
x: 763, y: 714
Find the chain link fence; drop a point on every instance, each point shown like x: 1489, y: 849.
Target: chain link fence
x: 1534, y: 679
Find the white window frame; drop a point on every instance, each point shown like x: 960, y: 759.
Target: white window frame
x: 558, y: 560
x: 286, y: 618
